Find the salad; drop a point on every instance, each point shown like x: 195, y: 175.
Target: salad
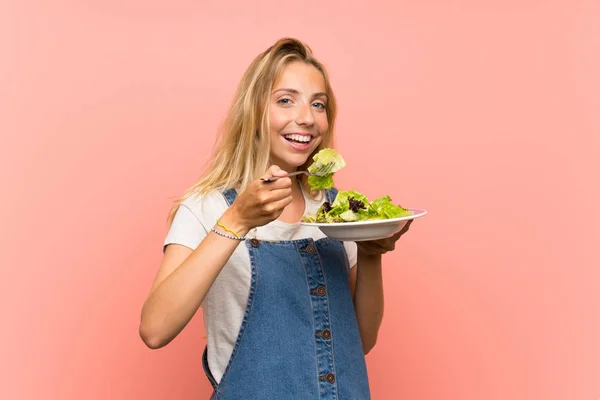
x: 348, y: 206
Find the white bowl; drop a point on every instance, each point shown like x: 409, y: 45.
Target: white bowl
x: 365, y: 230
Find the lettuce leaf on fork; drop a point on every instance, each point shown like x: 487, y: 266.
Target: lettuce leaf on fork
x: 326, y: 163
x: 320, y: 182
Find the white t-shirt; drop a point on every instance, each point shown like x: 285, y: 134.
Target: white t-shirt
x: 225, y: 302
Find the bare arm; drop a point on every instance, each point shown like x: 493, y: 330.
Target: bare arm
x: 367, y: 284
x: 181, y: 284
x: 185, y: 276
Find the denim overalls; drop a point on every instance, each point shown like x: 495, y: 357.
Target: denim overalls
x: 299, y: 337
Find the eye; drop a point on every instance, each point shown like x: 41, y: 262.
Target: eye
x: 319, y: 105
x: 284, y: 101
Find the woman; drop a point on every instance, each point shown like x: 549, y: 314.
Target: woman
x: 289, y: 313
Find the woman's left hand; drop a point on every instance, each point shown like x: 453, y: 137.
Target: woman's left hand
x: 381, y: 246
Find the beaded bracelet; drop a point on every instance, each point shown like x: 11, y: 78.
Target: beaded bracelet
x: 227, y: 229
x: 228, y: 236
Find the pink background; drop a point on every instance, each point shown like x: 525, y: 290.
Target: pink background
x: 485, y: 113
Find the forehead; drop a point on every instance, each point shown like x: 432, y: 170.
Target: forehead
x: 300, y: 76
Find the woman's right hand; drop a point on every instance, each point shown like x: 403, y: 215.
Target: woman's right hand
x: 261, y: 202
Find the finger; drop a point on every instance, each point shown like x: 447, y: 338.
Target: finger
x: 279, y: 205
x: 279, y: 194
x: 372, y: 246
x: 371, y: 250
x: 274, y: 170
x: 396, y: 235
x: 391, y: 241
x: 275, y: 178
x: 405, y: 228
x: 279, y: 183
x: 401, y: 232
x: 388, y: 244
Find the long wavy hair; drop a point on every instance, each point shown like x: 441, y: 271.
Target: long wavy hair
x: 242, y: 150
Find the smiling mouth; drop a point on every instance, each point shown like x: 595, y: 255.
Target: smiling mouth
x: 297, y: 138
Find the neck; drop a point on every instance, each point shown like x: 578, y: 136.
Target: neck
x: 297, y: 186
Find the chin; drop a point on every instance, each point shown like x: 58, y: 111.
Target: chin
x: 293, y: 157
x: 296, y: 162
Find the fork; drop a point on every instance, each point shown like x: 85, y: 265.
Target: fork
x: 321, y: 171
x: 274, y: 178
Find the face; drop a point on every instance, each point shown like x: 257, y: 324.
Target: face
x: 297, y: 115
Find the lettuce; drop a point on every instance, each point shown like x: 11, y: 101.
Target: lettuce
x: 320, y: 182
x: 326, y: 161
x: 385, y: 209
x: 351, y: 206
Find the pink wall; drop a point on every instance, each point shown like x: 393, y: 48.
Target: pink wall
x: 486, y: 113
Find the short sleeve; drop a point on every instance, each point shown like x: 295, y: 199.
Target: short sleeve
x: 186, y: 229
x: 351, y: 250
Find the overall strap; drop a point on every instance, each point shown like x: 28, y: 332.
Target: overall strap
x: 230, y: 196
x: 330, y: 194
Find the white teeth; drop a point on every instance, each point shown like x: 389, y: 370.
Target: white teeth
x: 299, y: 138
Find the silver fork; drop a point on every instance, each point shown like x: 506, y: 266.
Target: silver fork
x: 274, y: 178
x: 321, y: 171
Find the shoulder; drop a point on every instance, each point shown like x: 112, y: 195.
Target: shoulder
x: 212, y: 203
x: 194, y: 218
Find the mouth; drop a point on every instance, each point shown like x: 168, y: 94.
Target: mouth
x: 299, y: 141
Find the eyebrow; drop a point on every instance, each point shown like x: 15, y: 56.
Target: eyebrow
x: 294, y: 91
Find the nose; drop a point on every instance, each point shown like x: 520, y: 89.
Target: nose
x: 305, y: 115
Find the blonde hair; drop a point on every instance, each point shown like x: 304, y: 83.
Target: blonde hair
x: 242, y: 151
